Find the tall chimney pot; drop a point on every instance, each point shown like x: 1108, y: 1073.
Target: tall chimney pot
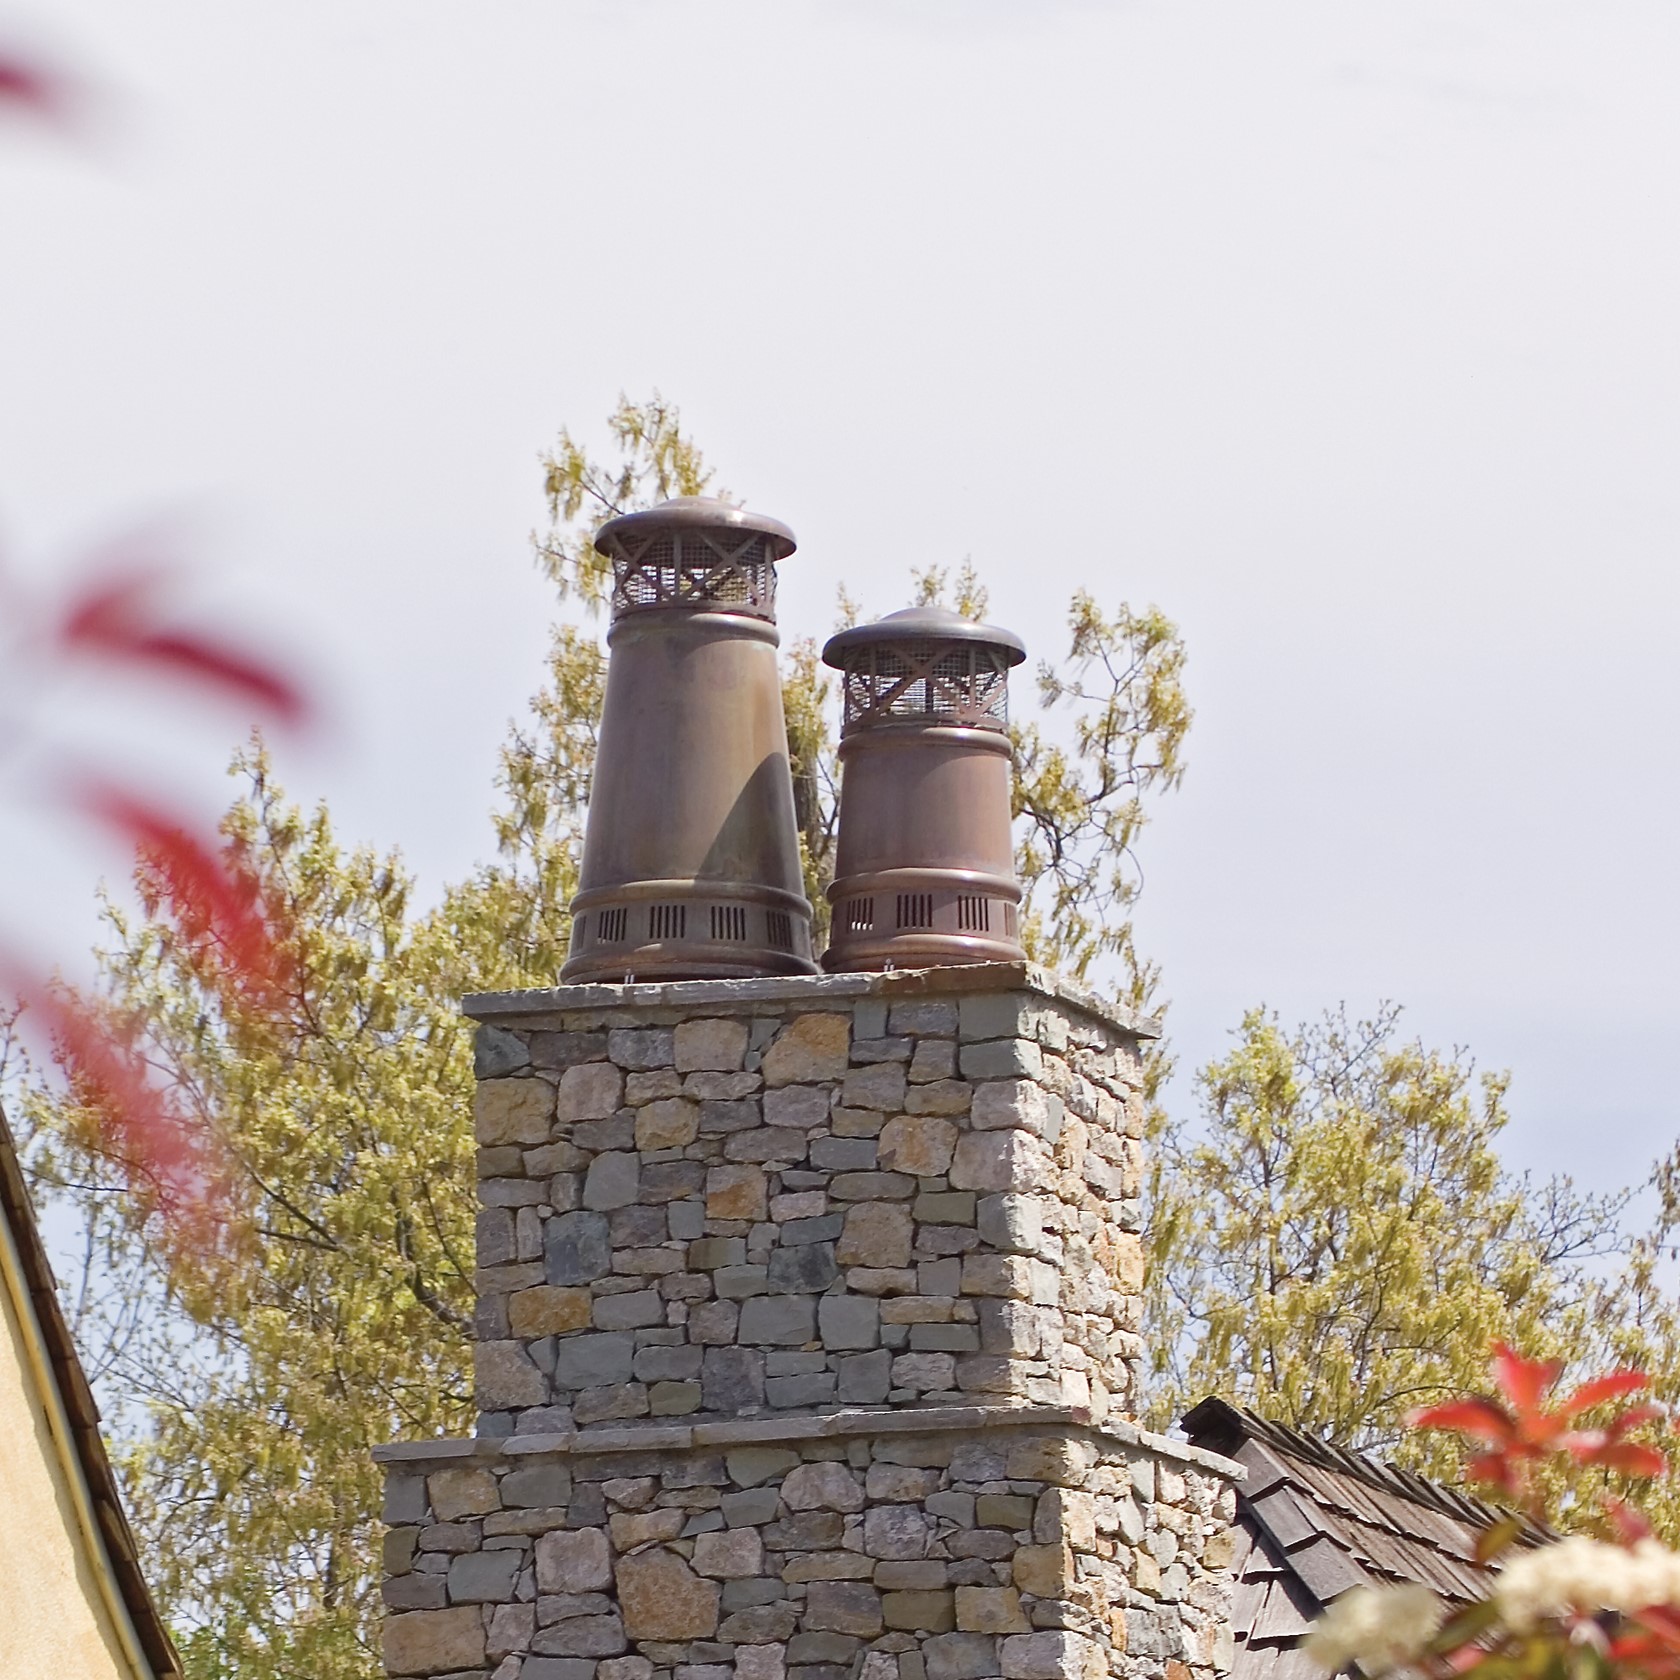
x: 924, y: 866
x: 691, y: 853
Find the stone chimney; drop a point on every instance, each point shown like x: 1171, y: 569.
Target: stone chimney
x: 808, y: 1349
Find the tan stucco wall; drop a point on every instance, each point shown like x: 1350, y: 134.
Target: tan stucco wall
x: 54, y: 1618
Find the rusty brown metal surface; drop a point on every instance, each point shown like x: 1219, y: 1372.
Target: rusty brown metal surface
x: 691, y: 854
x: 924, y: 868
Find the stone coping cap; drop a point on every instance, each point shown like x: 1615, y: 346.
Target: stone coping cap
x: 534, y: 1007
x: 741, y: 1432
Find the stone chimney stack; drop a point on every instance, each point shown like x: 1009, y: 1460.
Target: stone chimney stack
x: 809, y: 1306
x: 808, y: 1349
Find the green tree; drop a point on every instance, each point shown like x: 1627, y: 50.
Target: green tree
x: 1337, y: 1241
x: 334, y: 1316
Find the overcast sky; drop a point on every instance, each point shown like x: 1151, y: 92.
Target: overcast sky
x: 1344, y: 332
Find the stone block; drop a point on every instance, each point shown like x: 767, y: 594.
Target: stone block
x: 935, y: 1058
x: 822, y: 1486
x: 718, y: 1046
x: 844, y: 1607
x: 497, y: 1051
x: 559, y: 1668
x: 778, y: 1321
x: 919, y: 1144
x: 415, y: 1592
x: 991, y: 1610
x: 465, y: 1491
x: 866, y: 1378
x: 895, y: 1531
x: 939, y: 1096
x: 945, y: 1207
x: 809, y: 1048
x: 732, y: 1379
x: 613, y: 1180
x: 848, y: 1321
x: 737, y: 1192
x: 639, y: 1310
x: 512, y: 1111
x: 589, y: 1091
x: 1011, y: 1103
x: 483, y: 1577
x: 876, y: 1234
x: 1013, y: 1221
x: 923, y: 1019
x: 1007, y: 1160
x: 581, y: 1636
x: 729, y: 1554
x: 872, y: 1187
x: 843, y: 1154
x: 662, y: 1598
x: 749, y: 1467
x: 803, y: 1269
x: 511, y: 1627
x: 577, y: 1248
x: 1055, y: 1655
x: 541, y: 1485
x: 671, y: 1123
x: 616, y: 1668
x: 827, y: 1228
x: 561, y: 1049
x: 505, y: 1378
x: 592, y: 1361
x: 495, y: 1232
x: 713, y: 1323
x: 630, y: 1529
x: 670, y: 1181
x: 642, y: 1047
x: 880, y: 1086
x: 434, y: 1641
x: 766, y: 1661
x: 925, y: 1373
x: 755, y: 1624
x: 814, y: 1388
x: 548, y: 1310
x: 960, y: 1656
x: 796, y: 1106
x: 1004, y: 1510
x: 919, y: 1611
x: 1001, y: 1058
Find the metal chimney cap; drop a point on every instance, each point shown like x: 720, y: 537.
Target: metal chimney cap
x: 923, y: 624
x: 697, y: 513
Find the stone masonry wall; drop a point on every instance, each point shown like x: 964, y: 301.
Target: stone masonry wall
x: 943, y: 1544
x: 788, y: 1195
x: 807, y: 1335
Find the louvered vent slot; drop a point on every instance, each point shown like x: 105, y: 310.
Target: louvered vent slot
x: 974, y: 914
x: 1009, y: 920
x: 780, y: 927
x: 860, y: 915
x: 915, y: 910
x: 609, y: 930
x: 667, y: 921
x: 729, y: 921
x: 580, y: 929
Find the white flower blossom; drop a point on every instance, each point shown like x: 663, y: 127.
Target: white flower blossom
x: 1586, y: 1576
x: 1380, y: 1628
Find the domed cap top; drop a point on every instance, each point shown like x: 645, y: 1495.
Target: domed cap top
x: 922, y: 625
x: 699, y: 514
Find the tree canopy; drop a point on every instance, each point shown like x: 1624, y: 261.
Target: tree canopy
x: 332, y: 1312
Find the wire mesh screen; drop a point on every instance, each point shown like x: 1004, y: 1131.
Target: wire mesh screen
x: 695, y: 569
x: 928, y: 682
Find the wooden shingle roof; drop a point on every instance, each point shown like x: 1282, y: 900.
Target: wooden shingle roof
x: 1314, y: 1520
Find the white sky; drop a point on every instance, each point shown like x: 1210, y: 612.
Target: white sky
x: 1345, y: 332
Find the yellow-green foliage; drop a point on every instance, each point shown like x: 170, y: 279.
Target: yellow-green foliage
x: 1337, y: 1242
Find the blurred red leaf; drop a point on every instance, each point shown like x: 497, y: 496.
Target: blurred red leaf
x: 117, y: 618
x: 203, y: 892
x: 1524, y: 1382
x: 1599, y: 1389
x: 31, y: 88
x: 1481, y: 1420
